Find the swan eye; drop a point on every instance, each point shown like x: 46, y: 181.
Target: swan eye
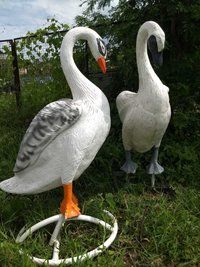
x: 101, y: 47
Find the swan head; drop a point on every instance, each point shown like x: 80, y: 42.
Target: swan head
x: 98, y: 50
x: 95, y: 42
x: 156, y: 42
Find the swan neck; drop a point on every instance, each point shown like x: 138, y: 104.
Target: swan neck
x: 80, y: 86
x: 145, y: 70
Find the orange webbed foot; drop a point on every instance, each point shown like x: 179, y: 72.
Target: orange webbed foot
x: 69, y: 210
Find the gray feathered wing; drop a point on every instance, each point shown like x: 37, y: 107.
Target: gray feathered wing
x: 53, y: 119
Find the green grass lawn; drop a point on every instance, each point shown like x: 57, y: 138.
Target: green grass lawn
x: 155, y: 228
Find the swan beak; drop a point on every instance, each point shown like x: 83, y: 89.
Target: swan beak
x: 102, y: 64
x: 157, y: 58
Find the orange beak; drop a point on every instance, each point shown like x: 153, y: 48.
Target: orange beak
x: 102, y: 64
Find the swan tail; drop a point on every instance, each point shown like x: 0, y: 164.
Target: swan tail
x: 24, y: 186
x: 12, y: 185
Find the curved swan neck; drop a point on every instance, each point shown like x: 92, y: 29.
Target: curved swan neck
x: 145, y: 70
x: 80, y: 86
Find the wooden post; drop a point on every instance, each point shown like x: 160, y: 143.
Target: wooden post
x: 16, y: 72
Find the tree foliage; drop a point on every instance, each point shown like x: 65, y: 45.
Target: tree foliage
x: 38, y: 55
x: 39, y: 51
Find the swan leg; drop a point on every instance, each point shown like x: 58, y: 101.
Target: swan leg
x: 153, y: 179
x: 74, y: 199
x: 154, y: 167
x: 69, y: 206
x: 129, y: 166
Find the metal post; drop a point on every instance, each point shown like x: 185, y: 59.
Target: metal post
x: 16, y: 72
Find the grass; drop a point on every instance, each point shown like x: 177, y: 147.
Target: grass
x: 155, y: 229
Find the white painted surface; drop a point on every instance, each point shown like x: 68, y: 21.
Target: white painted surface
x: 69, y: 153
x: 145, y: 115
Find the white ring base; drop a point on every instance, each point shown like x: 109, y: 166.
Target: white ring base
x: 55, y: 238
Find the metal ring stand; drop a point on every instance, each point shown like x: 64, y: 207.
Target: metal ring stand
x: 55, y: 238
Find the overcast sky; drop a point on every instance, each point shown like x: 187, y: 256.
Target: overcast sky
x: 19, y: 16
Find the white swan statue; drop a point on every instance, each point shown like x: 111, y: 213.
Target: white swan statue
x: 65, y: 136
x: 145, y: 115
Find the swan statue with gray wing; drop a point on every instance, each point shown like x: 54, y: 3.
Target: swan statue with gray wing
x: 145, y: 115
x: 65, y: 136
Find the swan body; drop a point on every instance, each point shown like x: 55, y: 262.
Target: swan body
x: 65, y: 136
x: 145, y: 115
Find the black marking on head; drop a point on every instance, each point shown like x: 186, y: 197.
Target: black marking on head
x: 152, y: 44
x: 153, y: 47
x: 101, y: 47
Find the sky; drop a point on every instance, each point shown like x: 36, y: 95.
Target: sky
x: 17, y: 17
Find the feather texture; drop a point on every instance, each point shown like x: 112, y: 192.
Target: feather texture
x: 54, y: 118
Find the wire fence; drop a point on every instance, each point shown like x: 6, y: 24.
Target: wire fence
x: 6, y: 68
x: 33, y: 56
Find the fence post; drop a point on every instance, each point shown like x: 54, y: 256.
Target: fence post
x: 16, y: 72
x: 86, y: 59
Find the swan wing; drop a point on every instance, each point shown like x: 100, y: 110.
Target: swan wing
x: 123, y: 101
x: 53, y: 119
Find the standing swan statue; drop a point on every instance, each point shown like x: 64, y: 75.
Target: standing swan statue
x: 145, y: 115
x: 65, y: 136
